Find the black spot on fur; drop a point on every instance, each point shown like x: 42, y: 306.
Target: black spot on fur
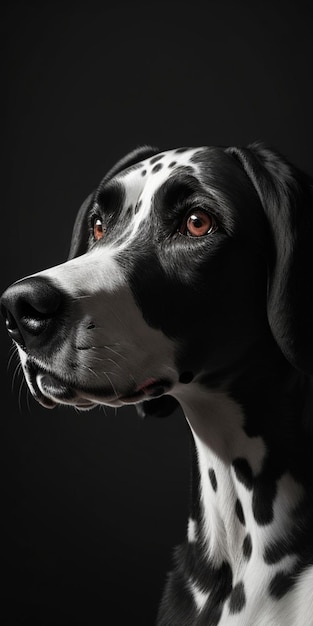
x: 130, y: 208
x: 237, y: 599
x: 247, y: 547
x: 156, y: 158
x: 191, y: 560
x: 210, y: 615
x: 240, y: 513
x: 276, y: 551
x: 156, y: 168
x: 143, y: 173
x: 243, y: 472
x: 262, y: 502
x: 281, y: 584
x: 178, y: 605
x: 172, y: 164
x: 212, y: 477
x: 180, y: 150
x: 300, y: 538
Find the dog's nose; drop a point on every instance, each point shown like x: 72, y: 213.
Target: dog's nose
x: 30, y: 307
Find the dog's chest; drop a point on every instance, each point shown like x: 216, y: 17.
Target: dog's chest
x: 238, y: 565
x: 233, y: 548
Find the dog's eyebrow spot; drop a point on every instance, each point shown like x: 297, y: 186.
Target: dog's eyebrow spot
x: 110, y: 195
x: 176, y: 189
x: 156, y: 168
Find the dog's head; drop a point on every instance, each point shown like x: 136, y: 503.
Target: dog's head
x: 182, y: 264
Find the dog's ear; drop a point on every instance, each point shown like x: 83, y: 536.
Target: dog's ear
x: 80, y: 231
x: 286, y: 194
x: 80, y: 234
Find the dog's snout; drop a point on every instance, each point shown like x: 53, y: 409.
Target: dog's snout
x: 30, y: 307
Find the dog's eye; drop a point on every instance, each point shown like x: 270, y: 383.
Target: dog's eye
x: 98, y: 228
x: 198, y: 223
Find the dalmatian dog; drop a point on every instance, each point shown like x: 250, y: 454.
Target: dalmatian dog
x: 188, y: 283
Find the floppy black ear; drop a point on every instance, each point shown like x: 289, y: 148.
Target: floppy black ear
x: 286, y: 194
x: 80, y: 231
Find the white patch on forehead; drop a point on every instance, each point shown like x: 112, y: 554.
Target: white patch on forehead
x: 98, y: 269
x: 141, y: 184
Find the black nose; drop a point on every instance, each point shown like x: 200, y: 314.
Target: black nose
x: 30, y: 308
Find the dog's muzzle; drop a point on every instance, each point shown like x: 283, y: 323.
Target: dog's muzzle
x: 40, y: 319
x: 31, y: 308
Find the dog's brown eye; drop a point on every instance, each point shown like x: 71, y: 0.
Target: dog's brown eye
x: 197, y: 224
x: 98, y: 229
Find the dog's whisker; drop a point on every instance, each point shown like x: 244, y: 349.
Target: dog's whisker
x: 107, y: 375
x: 114, y: 363
x: 121, y: 356
x: 131, y: 377
x: 28, y: 397
x: 86, y: 367
x: 20, y: 395
x: 81, y: 297
x: 14, y: 353
x: 102, y: 408
x: 16, y: 373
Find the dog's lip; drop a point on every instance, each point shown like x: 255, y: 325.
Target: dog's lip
x: 42, y: 398
x: 49, y: 391
x: 152, y: 388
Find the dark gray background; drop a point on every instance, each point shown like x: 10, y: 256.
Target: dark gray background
x: 92, y: 503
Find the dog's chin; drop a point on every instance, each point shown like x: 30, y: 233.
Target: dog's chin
x: 51, y: 391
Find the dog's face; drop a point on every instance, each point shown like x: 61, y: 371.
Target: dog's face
x: 168, y: 275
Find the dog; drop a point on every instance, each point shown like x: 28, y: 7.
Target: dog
x: 188, y: 283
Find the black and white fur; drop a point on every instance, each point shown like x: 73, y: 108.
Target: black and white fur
x: 150, y: 314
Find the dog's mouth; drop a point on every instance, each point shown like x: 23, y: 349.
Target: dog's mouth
x: 150, y: 388
x: 50, y: 390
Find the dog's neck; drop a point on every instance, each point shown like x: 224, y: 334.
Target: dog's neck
x: 254, y: 465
